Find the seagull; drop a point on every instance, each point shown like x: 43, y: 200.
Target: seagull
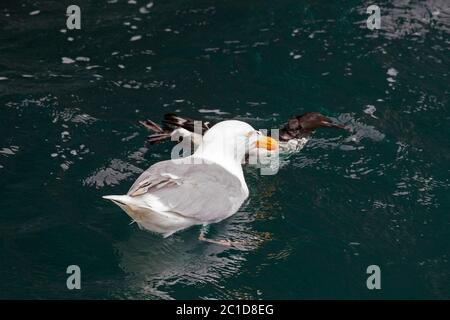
x: 293, y: 135
x: 201, y: 189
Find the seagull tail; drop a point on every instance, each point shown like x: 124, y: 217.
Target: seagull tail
x: 125, y: 202
x: 146, y: 218
x: 120, y: 200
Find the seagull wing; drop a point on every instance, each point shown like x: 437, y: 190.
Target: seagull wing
x: 203, y: 191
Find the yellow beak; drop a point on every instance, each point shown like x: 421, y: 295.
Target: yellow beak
x: 267, y: 143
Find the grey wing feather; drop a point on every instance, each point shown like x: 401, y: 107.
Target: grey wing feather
x: 206, y: 191
x: 152, y: 177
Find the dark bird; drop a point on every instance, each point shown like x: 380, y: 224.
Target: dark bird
x: 293, y: 135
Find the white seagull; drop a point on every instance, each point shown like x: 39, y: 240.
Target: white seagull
x: 200, y: 189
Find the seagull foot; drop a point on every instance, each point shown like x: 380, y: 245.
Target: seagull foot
x: 225, y: 243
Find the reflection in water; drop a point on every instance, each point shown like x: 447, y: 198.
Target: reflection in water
x: 154, y: 265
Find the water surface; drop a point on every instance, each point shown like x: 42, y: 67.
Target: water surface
x: 70, y: 102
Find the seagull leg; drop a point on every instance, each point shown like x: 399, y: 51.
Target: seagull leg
x: 201, y: 237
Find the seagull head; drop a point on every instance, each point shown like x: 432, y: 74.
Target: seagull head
x: 235, y: 138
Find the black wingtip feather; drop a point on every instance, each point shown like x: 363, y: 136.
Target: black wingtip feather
x: 157, y: 138
x: 175, y: 120
x: 152, y: 126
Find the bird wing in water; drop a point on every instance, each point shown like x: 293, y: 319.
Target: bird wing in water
x: 172, y: 119
x: 171, y: 123
x: 160, y: 134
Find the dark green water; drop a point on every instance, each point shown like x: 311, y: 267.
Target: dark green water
x: 69, y: 134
